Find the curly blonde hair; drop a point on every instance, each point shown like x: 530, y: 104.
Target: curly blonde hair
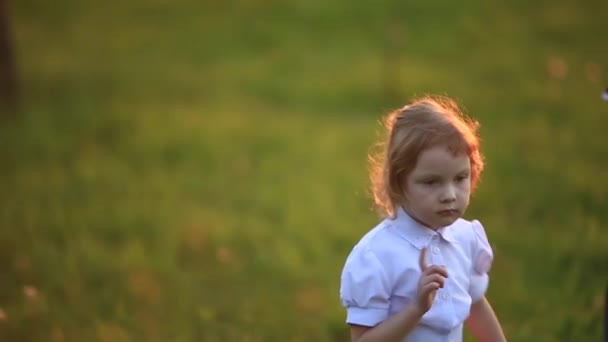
x: 425, y: 122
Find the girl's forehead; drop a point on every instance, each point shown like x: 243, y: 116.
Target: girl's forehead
x: 441, y: 159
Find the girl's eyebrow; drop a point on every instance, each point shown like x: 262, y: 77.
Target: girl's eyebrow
x: 422, y: 175
x: 429, y: 175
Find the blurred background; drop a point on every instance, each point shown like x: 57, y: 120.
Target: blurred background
x: 197, y: 170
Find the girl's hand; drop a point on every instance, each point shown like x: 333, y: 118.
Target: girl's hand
x: 432, y: 278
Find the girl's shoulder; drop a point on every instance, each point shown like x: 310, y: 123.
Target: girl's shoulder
x: 469, y: 232
x: 385, y: 247
x: 472, y: 234
x: 377, y: 237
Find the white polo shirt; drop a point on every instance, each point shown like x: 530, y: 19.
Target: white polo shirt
x: 381, y: 274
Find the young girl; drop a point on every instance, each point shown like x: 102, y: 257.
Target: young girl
x: 421, y: 274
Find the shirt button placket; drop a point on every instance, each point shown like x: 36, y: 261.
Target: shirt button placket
x: 437, y: 258
x: 436, y: 251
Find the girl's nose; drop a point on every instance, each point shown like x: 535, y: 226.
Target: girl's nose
x: 449, y: 195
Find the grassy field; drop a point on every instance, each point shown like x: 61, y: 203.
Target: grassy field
x: 196, y: 170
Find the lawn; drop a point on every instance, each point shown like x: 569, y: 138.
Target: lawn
x: 197, y: 170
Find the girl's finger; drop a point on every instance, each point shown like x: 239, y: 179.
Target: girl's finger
x: 436, y: 269
x: 429, y: 288
x: 422, y: 260
x: 434, y: 278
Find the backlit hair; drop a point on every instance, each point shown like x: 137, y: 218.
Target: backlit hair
x: 424, y: 123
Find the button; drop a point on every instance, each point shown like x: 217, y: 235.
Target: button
x: 445, y: 296
x: 435, y: 250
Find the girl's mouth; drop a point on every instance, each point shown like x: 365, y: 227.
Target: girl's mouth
x: 448, y: 212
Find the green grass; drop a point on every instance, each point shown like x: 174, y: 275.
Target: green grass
x: 193, y: 171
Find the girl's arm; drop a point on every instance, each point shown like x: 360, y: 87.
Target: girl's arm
x: 395, y: 328
x: 400, y: 325
x: 482, y: 322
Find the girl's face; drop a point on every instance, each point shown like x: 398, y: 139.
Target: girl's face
x: 439, y: 187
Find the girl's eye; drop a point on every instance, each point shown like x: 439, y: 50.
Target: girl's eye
x: 430, y: 182
x: 461, y: 178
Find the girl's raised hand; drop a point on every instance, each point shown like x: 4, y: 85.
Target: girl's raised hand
x: 432, y: 278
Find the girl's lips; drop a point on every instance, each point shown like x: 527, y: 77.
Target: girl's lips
x: 448, y: 212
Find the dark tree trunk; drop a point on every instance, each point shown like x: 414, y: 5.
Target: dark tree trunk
x: 8, y: 82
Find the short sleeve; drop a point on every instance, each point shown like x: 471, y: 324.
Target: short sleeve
x: 482, y: 258
x: 364, y: 289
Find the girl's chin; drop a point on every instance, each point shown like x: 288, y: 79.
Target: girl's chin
x: 444, y: 222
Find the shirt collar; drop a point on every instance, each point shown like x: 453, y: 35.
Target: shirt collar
x: 416, y: 233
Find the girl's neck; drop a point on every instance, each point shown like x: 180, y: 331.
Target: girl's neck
x: 417, y: 220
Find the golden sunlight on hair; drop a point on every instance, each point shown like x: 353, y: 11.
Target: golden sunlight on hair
x: 425, y: 122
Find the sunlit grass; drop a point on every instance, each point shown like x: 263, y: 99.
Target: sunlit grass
x: 185, y: 172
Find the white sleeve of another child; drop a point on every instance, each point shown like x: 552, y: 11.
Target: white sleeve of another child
x: 364, y: 289
x: 482, y: 262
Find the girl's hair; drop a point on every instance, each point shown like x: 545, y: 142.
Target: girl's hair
x: 424, y: 123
